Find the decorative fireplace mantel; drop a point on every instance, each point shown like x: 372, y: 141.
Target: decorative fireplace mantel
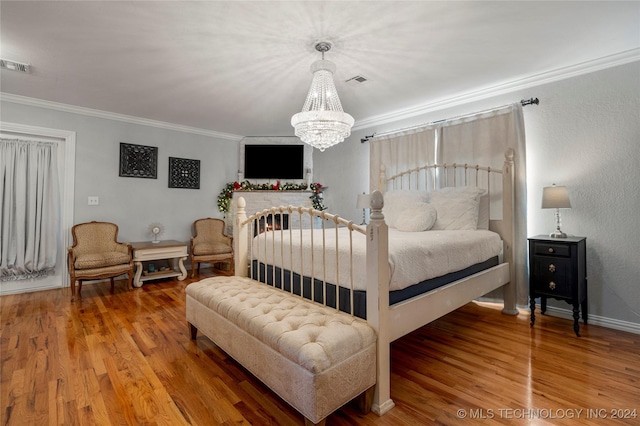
x: 261, y: 200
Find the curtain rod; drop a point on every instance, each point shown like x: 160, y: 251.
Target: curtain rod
x: 524, y: 102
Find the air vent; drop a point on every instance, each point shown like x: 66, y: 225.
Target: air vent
x: 14, y: 66
x: 358, y: 79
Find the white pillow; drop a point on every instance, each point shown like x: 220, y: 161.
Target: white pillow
x: 396, y: 202
x: 483, y: 212
x: 457, y: 207
x: 418, y: 218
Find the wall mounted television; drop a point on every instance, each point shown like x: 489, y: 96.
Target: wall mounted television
x: 274, y: 161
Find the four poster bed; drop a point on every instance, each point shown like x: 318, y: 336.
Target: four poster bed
x: 379, y: 269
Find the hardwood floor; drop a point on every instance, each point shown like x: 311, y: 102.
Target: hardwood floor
x: 127, y: 358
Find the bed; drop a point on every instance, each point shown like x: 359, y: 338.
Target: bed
x: 397, y: 272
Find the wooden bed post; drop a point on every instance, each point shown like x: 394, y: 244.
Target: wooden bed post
x: 378, y: 301
x: 240, y: 239
x: 508, y: 231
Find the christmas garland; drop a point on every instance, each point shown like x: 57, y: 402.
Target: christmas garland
x: 225, y: 196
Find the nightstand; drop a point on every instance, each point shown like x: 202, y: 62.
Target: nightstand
x: 558, y: 269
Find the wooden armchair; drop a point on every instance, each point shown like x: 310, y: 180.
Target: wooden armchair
x: 96, y: 254
x: 210, y: 244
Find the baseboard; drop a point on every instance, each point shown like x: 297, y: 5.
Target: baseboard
x: 615, y: 324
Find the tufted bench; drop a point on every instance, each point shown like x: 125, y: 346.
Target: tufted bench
x: 314, y: 357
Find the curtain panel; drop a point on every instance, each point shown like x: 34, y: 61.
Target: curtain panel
x: 401, y: 151
x: 483, y: 139
x: 29, y: 209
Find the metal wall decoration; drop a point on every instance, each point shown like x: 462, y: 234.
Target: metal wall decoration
x: 138, y: 161
x: 184, y: 173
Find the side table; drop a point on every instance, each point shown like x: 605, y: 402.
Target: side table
x: 558, y: 269
x: 170, y: 250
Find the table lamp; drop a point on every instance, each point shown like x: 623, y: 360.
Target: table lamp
x: 556, y: 197
x: 363, y: 202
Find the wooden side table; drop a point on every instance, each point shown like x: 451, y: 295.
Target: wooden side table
x: 558, y: 269
x: 170, y: 250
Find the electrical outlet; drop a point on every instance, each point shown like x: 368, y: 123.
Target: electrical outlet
x: 94, y: 201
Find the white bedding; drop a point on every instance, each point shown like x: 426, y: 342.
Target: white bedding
x: 413, y: 256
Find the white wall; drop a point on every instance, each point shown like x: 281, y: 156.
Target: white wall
x: 584, y: 134
x: 134, y: 203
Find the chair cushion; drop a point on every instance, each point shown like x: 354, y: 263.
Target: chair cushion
x: 100, y: 260
x: 104, y: 272
x: 200, y: 249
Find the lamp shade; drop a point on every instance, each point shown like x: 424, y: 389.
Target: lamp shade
x: 555, y: 197
x: 364, y: 201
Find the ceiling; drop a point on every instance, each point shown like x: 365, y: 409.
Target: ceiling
x: 242, y: 68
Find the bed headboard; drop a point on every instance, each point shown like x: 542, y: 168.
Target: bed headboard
x: 497, y: 181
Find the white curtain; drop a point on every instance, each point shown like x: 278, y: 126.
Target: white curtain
x: 482, y: 139
x: 401, y: 151
x: 29, y: 209
x: 479, y: 138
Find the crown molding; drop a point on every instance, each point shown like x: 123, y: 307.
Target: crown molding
x: 558, y: 74
x: 24, y: 100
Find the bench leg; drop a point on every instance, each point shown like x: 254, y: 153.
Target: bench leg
x: 193, y: 330
x: 308, y: 422
x: 365, y: 400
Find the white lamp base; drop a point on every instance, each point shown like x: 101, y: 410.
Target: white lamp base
x: 558, y: 233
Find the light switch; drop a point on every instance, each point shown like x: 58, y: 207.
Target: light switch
x: 94, y: 201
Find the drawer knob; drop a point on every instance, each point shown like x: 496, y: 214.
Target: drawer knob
x: 551, y: 250
x: 552, y: 285
x: 552, y: 268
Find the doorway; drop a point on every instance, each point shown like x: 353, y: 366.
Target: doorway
x: 66, y: 141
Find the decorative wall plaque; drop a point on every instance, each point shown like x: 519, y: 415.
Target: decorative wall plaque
x: 138, y: 161
x: 184, y: 173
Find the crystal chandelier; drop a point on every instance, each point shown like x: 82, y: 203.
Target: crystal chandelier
x: 322, y: 122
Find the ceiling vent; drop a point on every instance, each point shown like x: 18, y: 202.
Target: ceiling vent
x: 14, y: 66
x: 357, y: 80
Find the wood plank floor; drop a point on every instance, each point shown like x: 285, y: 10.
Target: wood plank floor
x: 126, y: 359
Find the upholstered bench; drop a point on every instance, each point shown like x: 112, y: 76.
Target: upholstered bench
x: 314, y: 357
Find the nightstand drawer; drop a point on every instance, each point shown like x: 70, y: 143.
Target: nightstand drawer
x: 552, y: 276
x: 551, y: 249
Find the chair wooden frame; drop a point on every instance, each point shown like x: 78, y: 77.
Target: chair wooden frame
x: 209, y: 258
x: 110, y: 272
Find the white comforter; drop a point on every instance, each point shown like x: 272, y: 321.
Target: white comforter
x: 413, y: 256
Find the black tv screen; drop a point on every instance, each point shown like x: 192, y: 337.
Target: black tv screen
x: 274, y: 161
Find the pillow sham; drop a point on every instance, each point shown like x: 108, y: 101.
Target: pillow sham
x: 483, y: 212
x: 396, y: 202
x: 418, y: 218
x: 457, y: 208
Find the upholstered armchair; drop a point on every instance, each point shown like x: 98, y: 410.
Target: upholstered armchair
x: 210, y: 244
x: 96, y: 254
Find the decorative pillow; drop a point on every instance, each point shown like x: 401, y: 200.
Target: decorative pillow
x: 418, y: 218
x: 396, y: 202
x: 483, y: 212
x: 457, y: 207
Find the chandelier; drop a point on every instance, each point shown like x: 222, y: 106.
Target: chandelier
x: 322, y: 122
